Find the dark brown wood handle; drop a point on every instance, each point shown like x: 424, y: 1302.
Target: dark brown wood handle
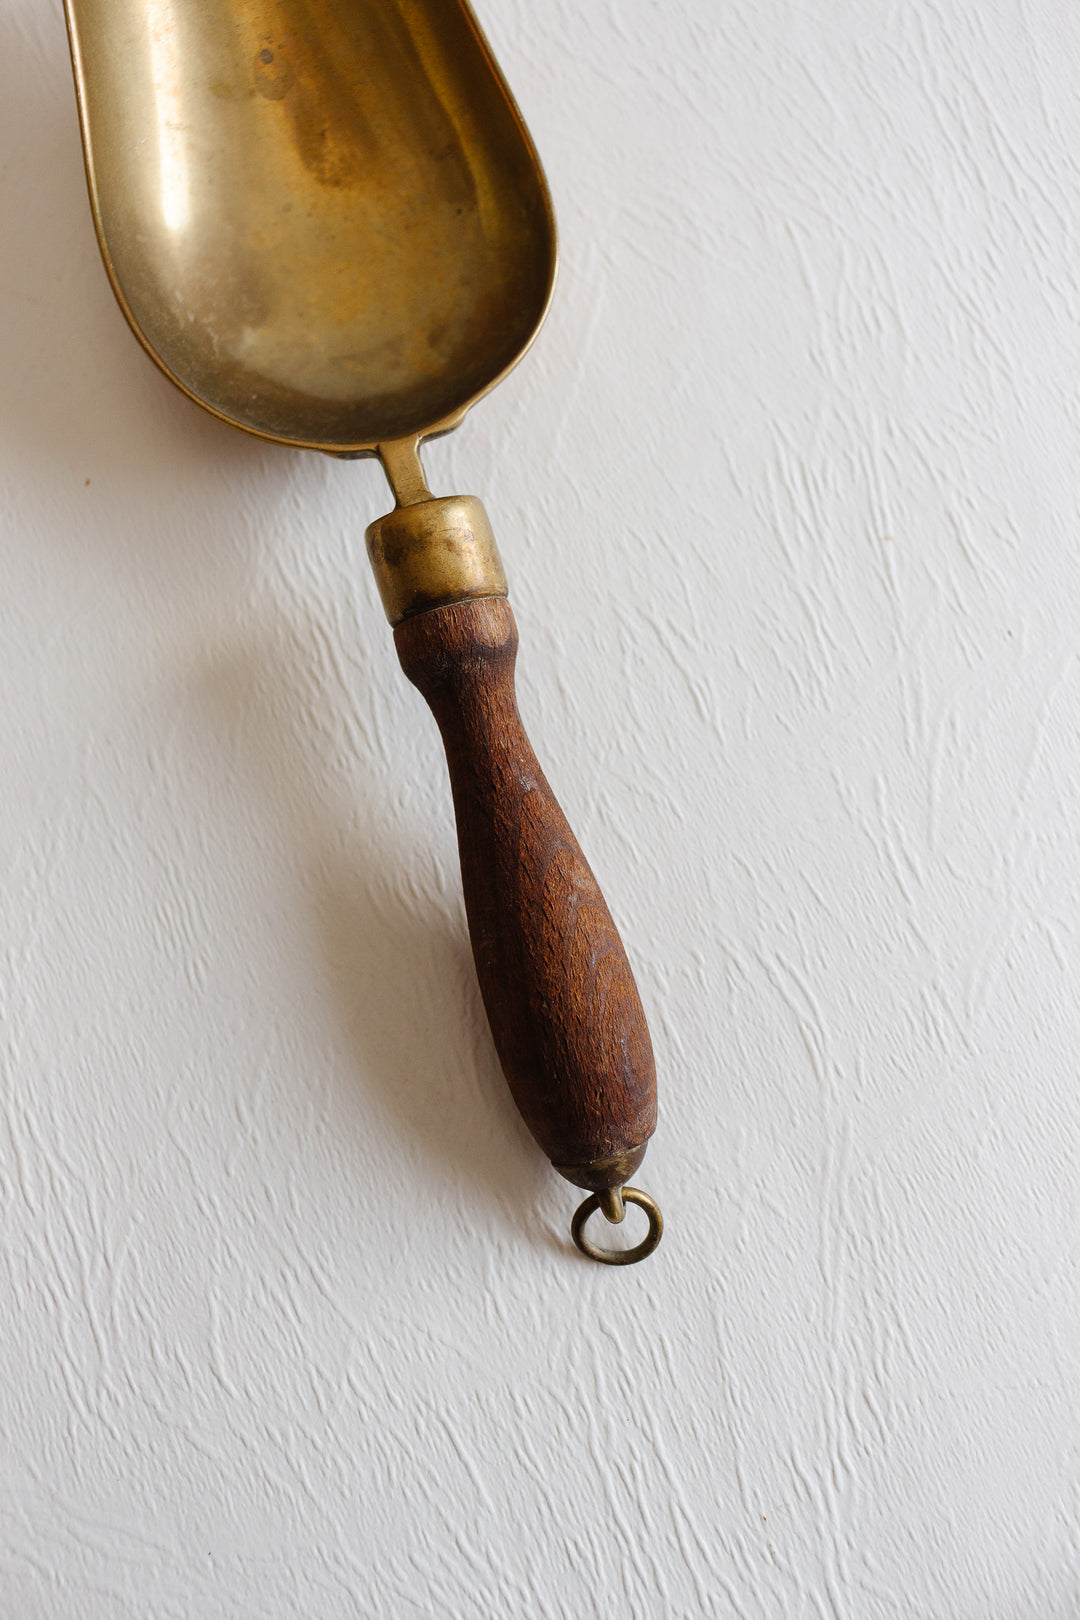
x: 561, y: 1000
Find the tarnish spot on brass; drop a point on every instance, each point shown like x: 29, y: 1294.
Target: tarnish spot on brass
x: 272, y: 75
x: 434, y: 552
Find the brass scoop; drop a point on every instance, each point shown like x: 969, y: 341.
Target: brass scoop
x: 326, y: 222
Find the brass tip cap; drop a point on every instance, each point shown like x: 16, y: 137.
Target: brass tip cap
x: 434, y: 552
x: 600, y: 1174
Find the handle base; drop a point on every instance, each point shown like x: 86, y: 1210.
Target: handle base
x: 601, y: 1174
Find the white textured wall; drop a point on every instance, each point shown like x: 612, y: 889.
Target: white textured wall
x: 788, y: 493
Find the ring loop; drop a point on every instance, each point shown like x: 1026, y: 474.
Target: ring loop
x: 618, y: 1257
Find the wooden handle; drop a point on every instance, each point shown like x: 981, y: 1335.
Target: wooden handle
x: 561, y: 1000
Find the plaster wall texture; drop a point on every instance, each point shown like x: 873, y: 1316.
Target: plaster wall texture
x: 787, y: 492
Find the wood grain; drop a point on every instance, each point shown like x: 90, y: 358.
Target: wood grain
x: 561, y: 1000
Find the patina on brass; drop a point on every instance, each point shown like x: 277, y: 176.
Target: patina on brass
x: 324, y: 219
x: 434, y: 552
x: 602, y: 1173
x: 617, y: 1257
x: 611, y: 1202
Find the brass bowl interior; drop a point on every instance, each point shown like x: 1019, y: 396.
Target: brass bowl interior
x: 324, y: 219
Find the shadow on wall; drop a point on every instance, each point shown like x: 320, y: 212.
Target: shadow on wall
x: 79, y: 398
x: 391, y: 940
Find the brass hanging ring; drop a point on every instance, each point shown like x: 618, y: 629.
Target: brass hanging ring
x: 618, y: 1257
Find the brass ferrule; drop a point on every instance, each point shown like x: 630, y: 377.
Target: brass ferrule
x: 434, y: 552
